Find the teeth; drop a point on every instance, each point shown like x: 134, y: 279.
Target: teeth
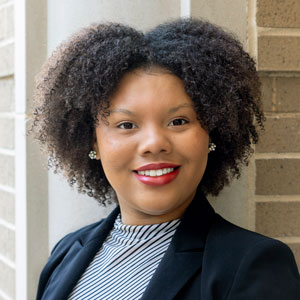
x: 159, y: 172
x: 152, y: 173
x: 156, y: 173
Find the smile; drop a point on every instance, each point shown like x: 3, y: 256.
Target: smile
x: 156, y: 173
x: 157, y: 177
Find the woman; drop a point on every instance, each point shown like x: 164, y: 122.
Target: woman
x: 155, y: 122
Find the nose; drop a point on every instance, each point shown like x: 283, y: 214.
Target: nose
x: 154, y: 140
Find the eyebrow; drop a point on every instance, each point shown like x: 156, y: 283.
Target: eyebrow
x: 171, y: 110
x: 174, y: 109
x: 122, y: 110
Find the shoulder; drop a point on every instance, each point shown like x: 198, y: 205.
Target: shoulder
x: 234, y: 243
x: 239, y: 245
x: 233, y: 236
x: 83, y: 234
x: 249, y: 264
x: 61, y: 250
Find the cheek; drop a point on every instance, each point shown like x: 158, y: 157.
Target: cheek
x: 197, y: 153
x: 109, y: 152
x: 114, y: 154
x: 195, y: 145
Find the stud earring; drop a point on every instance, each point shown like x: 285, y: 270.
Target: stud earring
x: 212, y: 147
x: 92, y: 154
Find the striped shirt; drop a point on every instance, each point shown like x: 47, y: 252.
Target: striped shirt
x: 124, y: 265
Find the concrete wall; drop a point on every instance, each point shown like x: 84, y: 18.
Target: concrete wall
x: 7, y: 152
x: 30, y: 172
x: 232, y: 15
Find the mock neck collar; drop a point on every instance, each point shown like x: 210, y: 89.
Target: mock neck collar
x: 134, y: 233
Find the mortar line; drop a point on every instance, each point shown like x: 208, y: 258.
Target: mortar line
x: 252, y: 44
x: 289, y: 239
x: 7, y: 261
x: 7, y: 225
x: 279, y: 73
x: 274, y: 94
x: 7, y: 189
x: 252, y: 32
x: 8, y: 76
x: 7, y: 152
x: 273, y: 155
x: 7, y: 42
x: 276, y: 115
x: 277, y: 198
x: 4, y: 5
x: 5, y: 296
x: 272, y: 31
x: 9, y: 115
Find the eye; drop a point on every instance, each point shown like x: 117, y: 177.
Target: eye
x: 126, y: 125
x: 178, y: 122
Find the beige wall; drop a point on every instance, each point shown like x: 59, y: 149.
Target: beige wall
x: 232, y: 15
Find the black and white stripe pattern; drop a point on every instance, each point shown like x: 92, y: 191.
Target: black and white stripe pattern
x: 124, y: 265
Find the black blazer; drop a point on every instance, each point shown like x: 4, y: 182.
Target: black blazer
x: 208, y: 259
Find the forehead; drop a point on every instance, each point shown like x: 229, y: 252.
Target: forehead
x: 157, y: 85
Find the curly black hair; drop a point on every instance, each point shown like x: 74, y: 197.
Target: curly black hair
x: 77, y: 81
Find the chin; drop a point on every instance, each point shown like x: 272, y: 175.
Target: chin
x: 159, y: 209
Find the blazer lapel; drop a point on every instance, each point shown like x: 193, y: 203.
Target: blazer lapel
x: 184, y: 255
x: 78, y: 259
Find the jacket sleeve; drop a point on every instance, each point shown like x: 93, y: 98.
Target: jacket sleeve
x: 267, y: 271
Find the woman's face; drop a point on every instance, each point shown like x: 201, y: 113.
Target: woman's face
x: 152, y: 121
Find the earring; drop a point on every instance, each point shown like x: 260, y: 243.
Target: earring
x: 92, y: 154
x: 212, y: 147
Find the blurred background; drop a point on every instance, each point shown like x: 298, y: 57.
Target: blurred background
x: 37, y: 207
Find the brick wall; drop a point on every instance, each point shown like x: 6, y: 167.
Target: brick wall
x: 277, y: 159
x: 7, y: 197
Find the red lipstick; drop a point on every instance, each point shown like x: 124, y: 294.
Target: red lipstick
x: 156, y: 166
x: 157, y: 180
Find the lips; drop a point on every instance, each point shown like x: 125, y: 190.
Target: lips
x: 157, y: 166
x: 157, y: 180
